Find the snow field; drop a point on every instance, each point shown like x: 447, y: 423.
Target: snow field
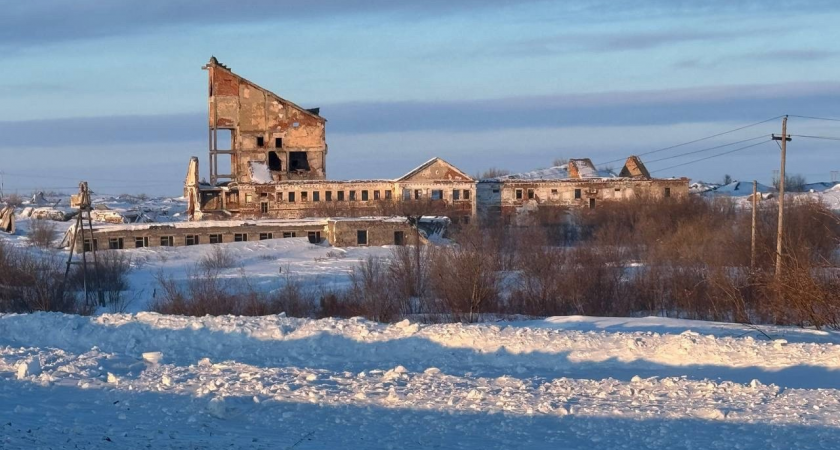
x: 275, y: 382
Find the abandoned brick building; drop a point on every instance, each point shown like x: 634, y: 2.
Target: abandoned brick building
x: 268, y: 160
x: 576, y: 184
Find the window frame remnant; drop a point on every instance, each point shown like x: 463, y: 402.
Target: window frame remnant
x: 299, y: 162
x: 362, y: 238
x: 86, y: 246
x: 274, y: 162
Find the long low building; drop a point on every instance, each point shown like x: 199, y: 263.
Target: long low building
x: 341, y: 232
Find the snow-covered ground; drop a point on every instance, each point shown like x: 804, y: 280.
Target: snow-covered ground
x: 152, y: 381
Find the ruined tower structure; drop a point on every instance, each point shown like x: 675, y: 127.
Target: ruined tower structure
x: 254, y: 135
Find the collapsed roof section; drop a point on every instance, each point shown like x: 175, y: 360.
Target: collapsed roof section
x: 580, y: 169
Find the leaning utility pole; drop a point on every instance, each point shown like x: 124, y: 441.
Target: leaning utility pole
x: 754, y: 214
x: 785, y: 139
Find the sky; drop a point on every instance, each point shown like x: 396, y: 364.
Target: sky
x: 113, y: 92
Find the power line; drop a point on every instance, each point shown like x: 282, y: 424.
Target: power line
x: 816, y: 118
x: 710, y: 157
x: 829, y: 138
x: 697, y: 140
x: 707, y: 149
x: 59, y: 177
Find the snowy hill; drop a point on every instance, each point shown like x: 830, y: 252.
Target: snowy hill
x: 153, y: 381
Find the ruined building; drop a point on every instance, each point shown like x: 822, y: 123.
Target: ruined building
x: 576, y: 184
x: 268, y: 159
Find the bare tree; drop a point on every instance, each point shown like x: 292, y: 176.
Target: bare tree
x: 493, y: 173
x: 793, y: 183
x: 559, y: 162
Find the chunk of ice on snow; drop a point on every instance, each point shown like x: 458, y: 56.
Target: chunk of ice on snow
x: 29, y: 367
x: 153, y: 357
x: 216, y: 407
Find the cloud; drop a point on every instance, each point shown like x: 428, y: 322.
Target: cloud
x: 622, y: 108
x: 615, y: 42
x: 629, y: 108
x: 48, y: 21
x: 775, y: 56
x: 791, y: 55
x: 151, y: 129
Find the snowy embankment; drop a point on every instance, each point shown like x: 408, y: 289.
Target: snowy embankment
x: 276, y: 382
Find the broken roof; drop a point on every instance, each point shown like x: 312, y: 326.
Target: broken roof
x: 214, y: 63
x: 574, y: 169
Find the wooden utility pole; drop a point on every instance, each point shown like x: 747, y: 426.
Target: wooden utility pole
x: 85, y: 207
x: 780, y: 233
x: 754, y: 215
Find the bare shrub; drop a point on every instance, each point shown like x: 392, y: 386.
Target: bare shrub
x: 292, y: 298
x: 337, y: 304
x: 409, y: 272
x: 109, y: 275
x: 540, y: 270
x: 465, y: 277
x: 803, y: 294
x: 218, y: 258
x: 203, y: 293
x: 371, y: 292
x: 42, y: 233
x: 13, y: 199
x: 34, y: 282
